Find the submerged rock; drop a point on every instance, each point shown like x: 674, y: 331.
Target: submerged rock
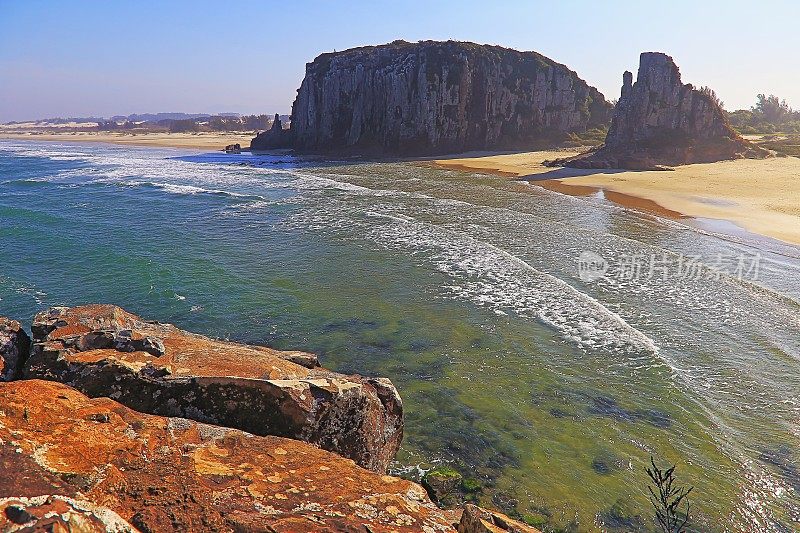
x: 660, y: 121
x: 444, y: 486
x: 14, y: 347
x: 172, y: 474
x: 156, y: 368
x: 437, y: 97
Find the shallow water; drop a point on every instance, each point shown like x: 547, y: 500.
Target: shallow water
x: 552, y: 390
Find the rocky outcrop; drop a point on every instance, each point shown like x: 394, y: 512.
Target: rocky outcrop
x: 156, y: 368
x: 660, y: 121
x: 169, y: 474
x: 439, y: 97
x: 72, y: 463
x: 275, y: 137
x: 14, y: 347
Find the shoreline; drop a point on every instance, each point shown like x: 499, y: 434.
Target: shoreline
x: 762, y: 197
x: 215, y: 141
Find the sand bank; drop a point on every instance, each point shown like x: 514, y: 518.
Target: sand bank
x: 761, y: 196
x: 201, y: 140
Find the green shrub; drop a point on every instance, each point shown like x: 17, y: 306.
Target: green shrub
x: 470, y: 484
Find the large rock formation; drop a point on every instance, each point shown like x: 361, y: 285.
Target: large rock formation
x: 438, y: 97
x: 157, y: 368
x: 59, y: 448
x: 14, y: 346
x: 660, y: 121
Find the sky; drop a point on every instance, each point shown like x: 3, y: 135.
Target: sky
x: 101, y: 58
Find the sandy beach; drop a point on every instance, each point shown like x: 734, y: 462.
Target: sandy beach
x: 201, y: 140
x: 761, y: 196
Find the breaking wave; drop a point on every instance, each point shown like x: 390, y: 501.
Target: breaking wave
x: 490, y: 276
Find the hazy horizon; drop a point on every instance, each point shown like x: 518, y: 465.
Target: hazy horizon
x: 88, y: 59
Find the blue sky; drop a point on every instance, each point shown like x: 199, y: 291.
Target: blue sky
x: 80, y: 58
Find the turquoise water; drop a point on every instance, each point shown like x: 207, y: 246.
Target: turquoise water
x: 464, y: 289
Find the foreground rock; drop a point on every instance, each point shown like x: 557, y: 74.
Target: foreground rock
x: 14, y: 347
x: 439, y: 97
x: 103, y: 350
x: 59, y: 513
x: 660, y: 121
x: 167, y: 474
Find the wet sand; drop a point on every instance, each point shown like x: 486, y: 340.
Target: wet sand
x: 627, y: 200
x: 201, y: 140
x: 761, y: 196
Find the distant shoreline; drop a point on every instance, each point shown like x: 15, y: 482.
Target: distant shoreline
x: 760, y: 196
x: 201, y: 140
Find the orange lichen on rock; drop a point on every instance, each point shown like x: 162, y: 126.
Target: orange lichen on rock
x: 165, y: 474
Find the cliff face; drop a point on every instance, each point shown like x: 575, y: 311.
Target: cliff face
x: 660, y: 121
x: 437, y: 97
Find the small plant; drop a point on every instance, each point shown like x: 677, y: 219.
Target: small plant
x: 470, y: 484
x: 666, y: 499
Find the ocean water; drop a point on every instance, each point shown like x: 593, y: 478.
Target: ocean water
x: 549, y: 380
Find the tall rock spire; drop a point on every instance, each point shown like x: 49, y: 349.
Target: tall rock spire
x: 660, y: 121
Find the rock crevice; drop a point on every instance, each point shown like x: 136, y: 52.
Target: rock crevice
x: 14, y: 347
